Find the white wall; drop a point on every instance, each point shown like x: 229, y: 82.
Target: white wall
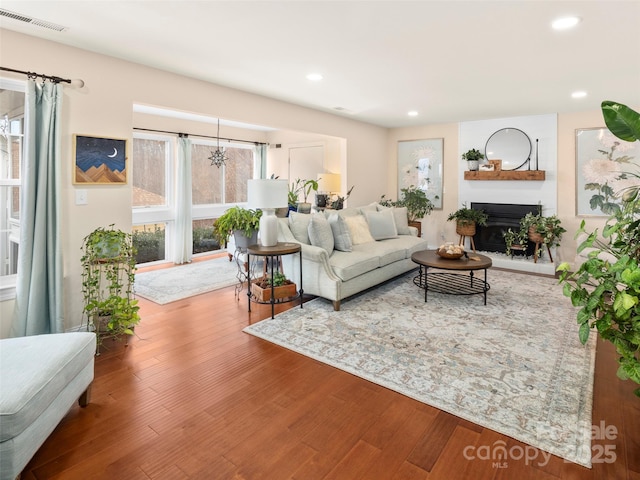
x: 104, y: 108
x: 542, y: 127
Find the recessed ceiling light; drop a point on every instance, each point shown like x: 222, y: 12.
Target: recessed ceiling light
x: 314, y: 77
x: 579, y: 94
x: 565, y: 23
x: 412, y: 113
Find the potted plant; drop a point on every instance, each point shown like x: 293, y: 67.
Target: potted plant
x: 282, y: 287
x: 417, y: 204
x: 301, y: 187
x: 473, y: 157
x: 608, y: 293
x: 467, y: 219
x: 108, y: 275
x: 243, y: 223
x: 338, y: 202
x: 542, y: 230
x: 515, y: 240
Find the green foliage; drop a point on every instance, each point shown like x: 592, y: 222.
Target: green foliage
x: 473, y: 154
x: 621, y: 120
x: 301, y: 187
x: 415, y: 199
x: 108, y: 275
x: 203, y: 240
x: 279, y: 279
x: 549, y: 227
x: 515, y: 237
x: 608, y: 293
x: 467, y: 216
x: 236, y: 219
x: 149, y: 244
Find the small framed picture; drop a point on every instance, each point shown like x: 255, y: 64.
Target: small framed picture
x: 99, y: 160
x: 486, y: 167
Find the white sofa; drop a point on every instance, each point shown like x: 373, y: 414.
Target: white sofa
x: 331, y: 269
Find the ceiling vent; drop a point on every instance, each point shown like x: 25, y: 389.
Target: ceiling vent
x: 32, y: 21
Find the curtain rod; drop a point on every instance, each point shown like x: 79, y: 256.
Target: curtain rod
x: 180, y: 134
x: 53, y: 78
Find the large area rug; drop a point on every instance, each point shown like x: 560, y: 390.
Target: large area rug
x: 515, y: 366
x: 183, y: 281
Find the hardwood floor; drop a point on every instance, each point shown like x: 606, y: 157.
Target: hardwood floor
x: 194, y: 397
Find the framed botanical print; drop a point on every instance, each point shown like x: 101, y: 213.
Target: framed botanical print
x: 420, y: 164
x: 99, y: 160
x: 605, y: 166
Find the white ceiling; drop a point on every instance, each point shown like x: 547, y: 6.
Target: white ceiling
x: 449, y: 60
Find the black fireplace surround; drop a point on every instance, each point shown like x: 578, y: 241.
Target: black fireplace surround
x: 502, y: 217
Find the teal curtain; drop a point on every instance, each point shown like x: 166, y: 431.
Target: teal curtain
x: 261, y: 161
x: 184, y: 223
x: 39, y: 296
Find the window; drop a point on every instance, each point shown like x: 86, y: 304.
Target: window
x: 152, y: 194
x: 213, y: 189
x: 12, y: 121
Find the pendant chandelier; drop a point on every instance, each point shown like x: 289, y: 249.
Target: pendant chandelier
x: 218, y: 158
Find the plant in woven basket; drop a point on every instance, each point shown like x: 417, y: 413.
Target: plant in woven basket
x: 466, y: 220
x: 543, y: 230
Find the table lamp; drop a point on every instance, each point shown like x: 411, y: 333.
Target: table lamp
x: 329, y: 182
x: 267, y: 195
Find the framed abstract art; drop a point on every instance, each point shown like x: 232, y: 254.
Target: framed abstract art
x: 420, y: 164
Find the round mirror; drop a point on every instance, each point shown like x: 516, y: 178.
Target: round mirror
x: 510, y: 145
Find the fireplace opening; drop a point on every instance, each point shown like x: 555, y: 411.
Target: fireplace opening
x: 502, y: 217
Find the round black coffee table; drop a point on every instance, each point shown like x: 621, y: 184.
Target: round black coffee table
x: 448, y: 282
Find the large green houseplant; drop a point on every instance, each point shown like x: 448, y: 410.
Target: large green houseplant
x: 244, y: 221
x: 608, y: 293
x: 108, y: 275
x: 414, y: 199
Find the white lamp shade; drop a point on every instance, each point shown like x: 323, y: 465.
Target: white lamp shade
x: 329, y: 182
x: 267, y: 193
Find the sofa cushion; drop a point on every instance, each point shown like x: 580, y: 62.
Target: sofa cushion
x: 320, y: 233
x: 35, y: 369
x: 381, y: 224
x: 348, y: 265
x: 386, y: 251
x: 359, y: 229
x: 299, y: 225
x: 341, y: 235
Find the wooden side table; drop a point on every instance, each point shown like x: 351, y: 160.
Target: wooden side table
x: 272, y: 257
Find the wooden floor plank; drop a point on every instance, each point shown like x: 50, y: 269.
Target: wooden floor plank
x: 192, y: 396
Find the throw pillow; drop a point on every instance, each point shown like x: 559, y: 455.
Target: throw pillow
x: 381, y: 224
x: 320, y: 233
x: 341, y: 236
x: 401, y: 218
x: 359, y: 229
x: 299, y: 225
x: 372, y: 207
